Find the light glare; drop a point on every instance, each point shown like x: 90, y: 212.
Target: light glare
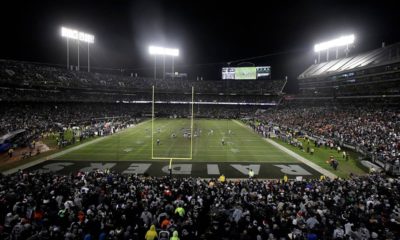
x: 342, y: 41
x: 163, y: 51
x: 74, y: 34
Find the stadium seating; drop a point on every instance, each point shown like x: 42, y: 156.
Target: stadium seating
x: 374, y: 74
x: 371, y: 129
x: 32, y: 77
x: 43, y: 117
x: 41, y: 98
x: 104, y: 205
x: 36, y: 97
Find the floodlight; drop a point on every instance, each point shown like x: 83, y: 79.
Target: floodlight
x: 74, y: 34
x: 81, y: 37
x: 342, y: 41
x: 163, y: 51
x: 173, y: 52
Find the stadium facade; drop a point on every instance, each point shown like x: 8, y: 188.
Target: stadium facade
x: 367, y: 79
x: 373, y: 74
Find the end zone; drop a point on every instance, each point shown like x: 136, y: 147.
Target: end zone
x: 183, y: 169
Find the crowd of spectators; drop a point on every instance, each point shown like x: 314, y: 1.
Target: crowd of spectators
x: 41, y: 98
x: 22, y: 123
x: 107, y: 205
x: 43, y: 117
x: 373, y: 88
x: 40, y: 120
x: 46, y: 116
x: 31, y: 75
x: 79, y: 95
x: 372, y: 129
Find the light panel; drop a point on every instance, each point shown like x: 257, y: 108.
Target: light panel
x: 75, y: 34
x: 163, y: 51
x: 342, y: 41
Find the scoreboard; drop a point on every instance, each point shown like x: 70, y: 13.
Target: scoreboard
x: 246, y: 73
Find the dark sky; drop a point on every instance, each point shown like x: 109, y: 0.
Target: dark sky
x: 208, y: 33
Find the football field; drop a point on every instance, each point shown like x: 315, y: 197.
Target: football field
x: 218, y: 146
x: 241, y: 144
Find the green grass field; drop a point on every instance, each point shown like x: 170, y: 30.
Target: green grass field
x: 241, y: 145
x: 322, y: 154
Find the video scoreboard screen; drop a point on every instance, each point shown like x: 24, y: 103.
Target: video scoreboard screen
x: 246, y: 73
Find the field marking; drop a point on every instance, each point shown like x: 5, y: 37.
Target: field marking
x: 303, y: 159
x: 188, y: 161
x: 58, y: 154
x: 172, y: 155
x: 162, y: 146
x: 261, y: 151
x: 127, y: 150
x: 235, y: 150
x: 296, y: 156
x: 211, y: 155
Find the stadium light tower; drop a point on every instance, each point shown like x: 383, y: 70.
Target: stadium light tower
x: 335, y: 43
x: 173, y: 52
x: 79, y: 36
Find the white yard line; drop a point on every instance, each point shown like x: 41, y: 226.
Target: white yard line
x: 58, y: 154
x: 302, y: 159
x: 277, y: 145
x: 296, y: 156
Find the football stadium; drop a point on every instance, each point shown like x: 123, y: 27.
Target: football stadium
x: 174, y: 120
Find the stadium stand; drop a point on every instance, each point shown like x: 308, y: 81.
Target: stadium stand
x: 39, y: 98
x: 42, y: 117
x: 30, y: 77
x: 352, y: 101
x: 372, y: 74
x: 106, y: 205
x: 45, y: 116
x: 368, y: 129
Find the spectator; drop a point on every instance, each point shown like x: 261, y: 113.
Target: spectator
x: 251, y: 173
x: 338, y: 233
x: 151, y: 234
x: 249, y: 209
x: 221, y: 178
x: 180, y: 211
x: 175, y: 236
x: 10, y: 152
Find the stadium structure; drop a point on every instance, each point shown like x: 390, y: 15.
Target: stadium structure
x: 95, y: 154
x: 373, y: 74
x: 112, y: 102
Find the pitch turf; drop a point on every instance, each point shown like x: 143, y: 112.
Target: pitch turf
x: 135, y: 144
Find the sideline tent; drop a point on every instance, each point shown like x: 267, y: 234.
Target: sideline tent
x: 7, y: 140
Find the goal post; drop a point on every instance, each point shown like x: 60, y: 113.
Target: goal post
x: 171, y: 158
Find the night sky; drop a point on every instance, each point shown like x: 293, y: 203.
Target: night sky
x: 209, y: 34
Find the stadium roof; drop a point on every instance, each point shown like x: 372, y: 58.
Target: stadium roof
x: 377, y: 57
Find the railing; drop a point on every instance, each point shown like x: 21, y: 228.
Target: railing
x: 284, y: 85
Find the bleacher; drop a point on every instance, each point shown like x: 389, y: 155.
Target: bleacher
x: 38, y: 82
x: 375, y: 73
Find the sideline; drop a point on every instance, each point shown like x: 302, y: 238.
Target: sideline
x: 295, y: 155
x: 58, y: 154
